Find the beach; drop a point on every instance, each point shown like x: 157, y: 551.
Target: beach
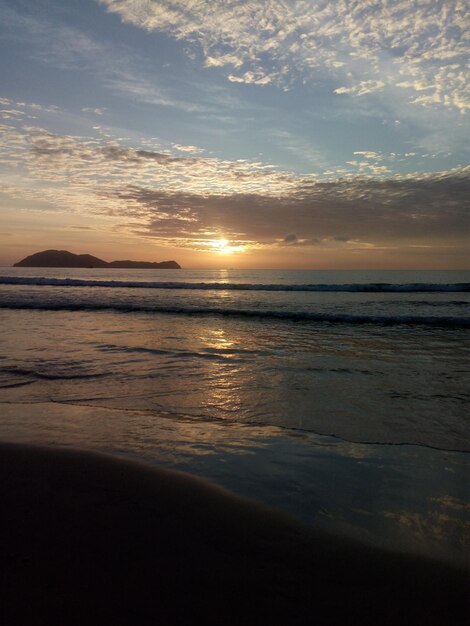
x: 90, y: 538
x: 234, y: 313
x: 234, y: 447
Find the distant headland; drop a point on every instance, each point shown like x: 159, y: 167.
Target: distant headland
x: 63, y: 258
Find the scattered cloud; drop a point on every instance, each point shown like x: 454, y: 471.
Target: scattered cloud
x: 363, y: 88
x: 367, y: 46
x: 17, y: 110
x: 368, y: 154
x: 8, y: 114
x: 96, y: 110
x: 189, y: 149
x: 223, y: 59
x: 251, y: 78
x: 183, y: 200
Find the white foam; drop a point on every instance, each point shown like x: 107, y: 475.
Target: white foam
x: 351, y: 287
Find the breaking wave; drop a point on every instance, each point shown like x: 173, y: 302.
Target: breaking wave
x: 353, y: 287
x: 300, y: 316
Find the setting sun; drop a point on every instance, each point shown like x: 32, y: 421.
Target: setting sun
x: 223, y: 246
x: 220, y: 245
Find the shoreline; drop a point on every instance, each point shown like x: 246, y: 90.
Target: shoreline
x: 408, y: 498
x: 93, y: 538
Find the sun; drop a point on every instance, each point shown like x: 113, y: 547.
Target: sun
x: 221, y: 245
x: 224, y: 246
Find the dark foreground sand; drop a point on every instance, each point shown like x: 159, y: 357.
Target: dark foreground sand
x: 90, y: 539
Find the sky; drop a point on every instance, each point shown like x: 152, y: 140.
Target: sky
x: 311, y: 134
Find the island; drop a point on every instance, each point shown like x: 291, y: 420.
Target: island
x: 63, y: 258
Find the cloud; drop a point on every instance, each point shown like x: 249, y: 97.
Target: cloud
x: 363, y: 88
x: 251, y: 78
x: 18, y: 110
x: 373, y: 212
x: 374, y: 45
x: 368, y: 154
x: 96, y: 110
x: 189, y: 149
x: 8, y: 114
x: 184, y: 200
x: 223, y: 59
x: 291, y: 238
x: 84, y: 172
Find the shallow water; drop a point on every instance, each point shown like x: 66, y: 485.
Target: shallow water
x: 366, y: 384
x: 346, y: 408
x: 406, y: 498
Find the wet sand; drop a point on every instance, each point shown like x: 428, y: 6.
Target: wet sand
x: 93, y: 539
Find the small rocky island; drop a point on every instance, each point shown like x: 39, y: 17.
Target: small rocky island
x: 63, y: 258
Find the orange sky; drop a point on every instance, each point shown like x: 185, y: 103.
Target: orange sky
x: 305, y: 134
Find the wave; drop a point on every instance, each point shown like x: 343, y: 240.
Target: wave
x: 298, y: 316
x: 352, y: 287
x: 19, y: 371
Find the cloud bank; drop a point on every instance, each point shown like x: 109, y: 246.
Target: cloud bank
x: 187, y: 201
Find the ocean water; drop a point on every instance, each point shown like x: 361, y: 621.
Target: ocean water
x: 340, y: 397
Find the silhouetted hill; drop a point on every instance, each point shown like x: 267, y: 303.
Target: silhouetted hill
x: 63, y: 258
x: 138, y: 265
x: 60, y: 258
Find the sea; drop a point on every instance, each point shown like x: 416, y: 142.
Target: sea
x: 340, y: 397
